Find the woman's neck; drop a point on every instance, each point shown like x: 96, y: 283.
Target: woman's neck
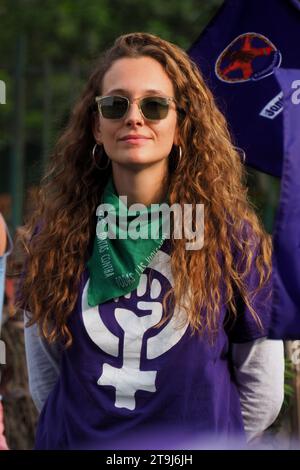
x: 145, y: 186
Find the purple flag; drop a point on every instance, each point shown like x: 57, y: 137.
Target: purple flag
x: 286, y: 258
x: 238, y: 53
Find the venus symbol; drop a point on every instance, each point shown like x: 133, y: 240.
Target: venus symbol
x: 130, y: 378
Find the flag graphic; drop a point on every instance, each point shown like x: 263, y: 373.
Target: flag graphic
x: 286, y: 237
x: 238, y: 53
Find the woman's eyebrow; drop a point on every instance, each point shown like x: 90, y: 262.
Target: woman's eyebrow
x: 144, y: 92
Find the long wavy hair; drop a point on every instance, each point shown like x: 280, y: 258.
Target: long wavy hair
x: 209, y: 172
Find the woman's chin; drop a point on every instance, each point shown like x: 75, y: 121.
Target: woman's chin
x: 137, y: 160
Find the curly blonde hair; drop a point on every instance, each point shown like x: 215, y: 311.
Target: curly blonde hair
x: 210, y: 172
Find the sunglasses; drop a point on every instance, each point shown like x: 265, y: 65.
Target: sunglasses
x: 152, y: 108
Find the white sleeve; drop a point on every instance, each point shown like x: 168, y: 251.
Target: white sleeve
x: 259, y: 372
x: 42, y: 364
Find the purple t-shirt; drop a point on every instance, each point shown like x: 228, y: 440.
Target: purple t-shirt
x: 124, y: 384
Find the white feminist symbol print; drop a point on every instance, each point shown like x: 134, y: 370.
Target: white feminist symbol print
x: 130, y: 378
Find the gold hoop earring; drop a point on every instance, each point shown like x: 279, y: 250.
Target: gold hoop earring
x: 94, y: 158
x: 241, y: 153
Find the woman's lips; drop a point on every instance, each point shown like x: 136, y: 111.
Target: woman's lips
x: 135, y: 140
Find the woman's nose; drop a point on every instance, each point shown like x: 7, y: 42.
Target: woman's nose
x: 134, y: 114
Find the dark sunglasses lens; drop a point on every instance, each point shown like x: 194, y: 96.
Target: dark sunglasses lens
x: 155, y: 108
x: 113, y: 107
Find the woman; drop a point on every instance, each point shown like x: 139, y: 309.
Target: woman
x: 145, y: 343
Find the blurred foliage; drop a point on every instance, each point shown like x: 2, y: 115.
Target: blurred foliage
x: 264, y: 192
x: 289, y: 399
x: 65, y: 30
x: 289, y: 376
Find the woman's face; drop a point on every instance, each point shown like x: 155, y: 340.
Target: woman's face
x: 136, y: 78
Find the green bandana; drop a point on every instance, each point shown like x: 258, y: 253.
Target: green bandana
x: 118, y: 259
